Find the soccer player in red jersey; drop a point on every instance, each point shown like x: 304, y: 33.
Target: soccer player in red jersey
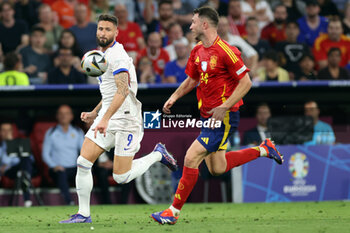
x: 223, y: 80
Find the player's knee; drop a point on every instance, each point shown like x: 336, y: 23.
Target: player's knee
x: 122, y: 178
x: 214, y: 172
x: 190, y: 161
x: 84, y: 163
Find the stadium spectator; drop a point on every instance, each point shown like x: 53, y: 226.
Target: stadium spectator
x: 36, y: 61
x: 65, y: 12
x: 236, y: 18
x: 259, y: 9
x: 84, y: 30
x: 68, y: 40
x: 60, y: 147
x: 65, y: 73
x: 295, y: 9
x: 13, y: 167
x: 219, y: 6
x: 271, y: 71
x: 130, y: 34
x: 311, y: 25
x: 52, y: 29
x: 306, y: 69
x: 174, y: 71
x: 13, y: 32
x: 333, y: 71
x: 183, y: 13
x: 328, y: 8
x: 13, y: 74
x: 175, y: 33
x: 145, y: 71
x: 156, y: 54
x: 259, y: 133
x: 166, y: 18
x: 130, y: 7
x: 334, y: 38
x: 104, y: 169
x: 253, y: 37
x: 323, y: 132
x: 99, y: 7
x: 291, y: 50
x: 275, y: 31
x: 346, y: 19
x: 28, y: 11
x: 250, y: 56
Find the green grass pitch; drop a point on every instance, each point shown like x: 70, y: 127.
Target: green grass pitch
x: 297, y: 217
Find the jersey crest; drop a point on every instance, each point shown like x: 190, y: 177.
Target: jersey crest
x: 213, y: 61
x: 204, y: 65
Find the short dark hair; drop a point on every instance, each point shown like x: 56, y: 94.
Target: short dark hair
x: 263, y: 104
x: 292, y: 22
x: 6, y: 3
x: 333, y: 49
x: 271, y: 55
x: 209, y: 13
x: 307, y: 55
x: 334, y: 18
x: 37, y: 29
x: 171, y: 25
x: 11, y: 60
x: 279, y: 5
x: 109, y: 18
x: 164, y: 2
x: 251, y: 18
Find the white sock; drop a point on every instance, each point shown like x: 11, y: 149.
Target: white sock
x: 175, y: 211
x: 263, y: 152
x: 141, y: 165
x: 84, y: 182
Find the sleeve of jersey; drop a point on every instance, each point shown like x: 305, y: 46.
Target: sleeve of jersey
x: 318, y: 51
x: 119, y: 66
x: 191, y: 70
x: 235, y: 64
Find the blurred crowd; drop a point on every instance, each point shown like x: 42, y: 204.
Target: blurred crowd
x: 42, y: 42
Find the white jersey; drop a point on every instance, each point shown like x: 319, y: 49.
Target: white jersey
x: 119, y: 61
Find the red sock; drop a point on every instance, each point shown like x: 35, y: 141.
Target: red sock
x: 186, y: 184
x: 237, y: 158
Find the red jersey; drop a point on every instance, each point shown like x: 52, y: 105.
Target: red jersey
x: 273, y: 34
x: 128, y: 37
x: 65, y: 12
x: 218, y: 70
x: 158, y: 61
x: 323, y: 44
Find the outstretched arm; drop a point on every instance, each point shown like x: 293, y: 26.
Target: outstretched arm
x: 185, y: 87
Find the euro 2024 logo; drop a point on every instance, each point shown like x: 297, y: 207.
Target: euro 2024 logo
x: 299, y: 166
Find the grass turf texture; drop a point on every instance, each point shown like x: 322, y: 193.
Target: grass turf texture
x: 253, y: 217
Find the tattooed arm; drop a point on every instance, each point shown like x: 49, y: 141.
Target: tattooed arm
x: 122, y: 82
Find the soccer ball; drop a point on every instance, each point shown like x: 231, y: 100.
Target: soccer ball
x: 94, y: 63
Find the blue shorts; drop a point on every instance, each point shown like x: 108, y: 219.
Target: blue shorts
x: 216, y: 139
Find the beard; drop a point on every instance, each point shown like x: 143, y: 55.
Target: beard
x: 198, y: 37
x: 280, y: 21
x: 105, y: 42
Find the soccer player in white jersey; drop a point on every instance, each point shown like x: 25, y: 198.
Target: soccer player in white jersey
x: 117, y: 121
